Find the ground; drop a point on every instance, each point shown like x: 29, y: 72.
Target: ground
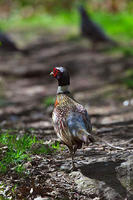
x: 105, y: 167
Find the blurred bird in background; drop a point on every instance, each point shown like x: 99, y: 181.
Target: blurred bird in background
x: 93, y: 31
x: 8, y: 45
x: 70, y: 119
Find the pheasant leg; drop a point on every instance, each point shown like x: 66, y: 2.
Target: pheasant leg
x: 73, y: 164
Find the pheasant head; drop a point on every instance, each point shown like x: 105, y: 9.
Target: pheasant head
x: 63, y: 78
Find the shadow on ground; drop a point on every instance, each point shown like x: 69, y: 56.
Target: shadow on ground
x: 106, y: 172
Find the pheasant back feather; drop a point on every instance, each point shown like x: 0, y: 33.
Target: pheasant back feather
x: 71, y: 121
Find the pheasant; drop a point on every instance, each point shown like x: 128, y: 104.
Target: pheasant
x: 70, y: 119
x: 7, y: 44
x: 91, y: 30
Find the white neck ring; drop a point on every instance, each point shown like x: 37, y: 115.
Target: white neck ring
x: 63, y: 89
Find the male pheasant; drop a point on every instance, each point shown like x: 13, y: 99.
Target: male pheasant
x: 93, y: 31
x: 70, y: 119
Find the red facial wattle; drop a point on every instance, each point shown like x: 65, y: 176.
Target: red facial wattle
x: 55, y: 72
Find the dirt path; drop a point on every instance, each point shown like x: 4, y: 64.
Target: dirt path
x: 95, y: 82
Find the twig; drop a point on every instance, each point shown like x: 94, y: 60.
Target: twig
x: 110, y: 145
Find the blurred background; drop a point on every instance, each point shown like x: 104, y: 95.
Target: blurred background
x: 93, y: 39
x: 114, y: 16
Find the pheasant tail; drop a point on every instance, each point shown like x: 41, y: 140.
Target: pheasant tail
x: 85, y: 137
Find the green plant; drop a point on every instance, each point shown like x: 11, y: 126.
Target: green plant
x: 48, y: 101
x: 3, y: 198
x: 109, y: 21
x: 4, y: 195
x: 56, y: 146
x: 17, y: 151
x: 128, y: 79
x: 123, y: 49
x: 19, y: 168
x: 42, y: 149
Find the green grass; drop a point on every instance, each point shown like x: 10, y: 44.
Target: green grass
x: 15, y: 150
x: 39, y: 20
x: 128, y: 79
x: 5, y: 195
x: 125, y: 50
x: 48, y: 101
x: 46, y: 149
x: 118, y: 25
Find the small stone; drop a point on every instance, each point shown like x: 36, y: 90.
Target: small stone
x: 65, y: 167
x: 126, y: 103
x: 41, y: 198
x: 31, y: 190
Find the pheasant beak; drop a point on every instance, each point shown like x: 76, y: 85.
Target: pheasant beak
x: 51, y: 74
